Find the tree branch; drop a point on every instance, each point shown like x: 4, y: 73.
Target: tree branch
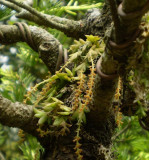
x: 43, y: 42
x: 95, y: 22
x: 116, y: 20
x: 69, y: 27
x: 18, y: 115
x: 10, y: 5
x: 114, y: 56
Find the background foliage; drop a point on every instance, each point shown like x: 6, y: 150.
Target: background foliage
x: 21, y: 68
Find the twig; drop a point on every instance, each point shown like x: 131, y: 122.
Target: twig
x: 40, y: 15
x: 122, y: 131
x: 10, y: 5
x: 1, y: 156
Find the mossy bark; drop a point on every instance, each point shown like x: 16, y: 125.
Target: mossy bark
x: 100, y: 121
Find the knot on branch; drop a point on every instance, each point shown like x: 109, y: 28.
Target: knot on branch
x: 132, y: 15
x: 26, y: 34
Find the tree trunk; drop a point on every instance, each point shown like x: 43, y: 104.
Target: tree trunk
x: 97, y: 133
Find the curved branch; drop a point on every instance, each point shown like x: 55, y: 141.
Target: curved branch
x: 46, y: 45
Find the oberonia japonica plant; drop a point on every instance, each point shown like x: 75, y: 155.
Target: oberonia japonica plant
x: 93, y: 78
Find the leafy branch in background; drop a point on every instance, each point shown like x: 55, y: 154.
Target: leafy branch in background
x: 133, y: 143
x: 13, y: 87
x: 14, y: 84
x: 31, y: 148
x: 5, y: 13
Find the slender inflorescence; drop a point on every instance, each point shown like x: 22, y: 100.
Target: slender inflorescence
x: 83, y: 103
x: 89, y: 92
x: 78, y: 91
x: 78, y: 144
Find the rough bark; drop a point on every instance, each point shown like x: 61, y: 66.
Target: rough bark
x: 17, y: 115
x: 100, y: 121
x: 95, y: 21
x: 43, y: 42
x: 116, y: 58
